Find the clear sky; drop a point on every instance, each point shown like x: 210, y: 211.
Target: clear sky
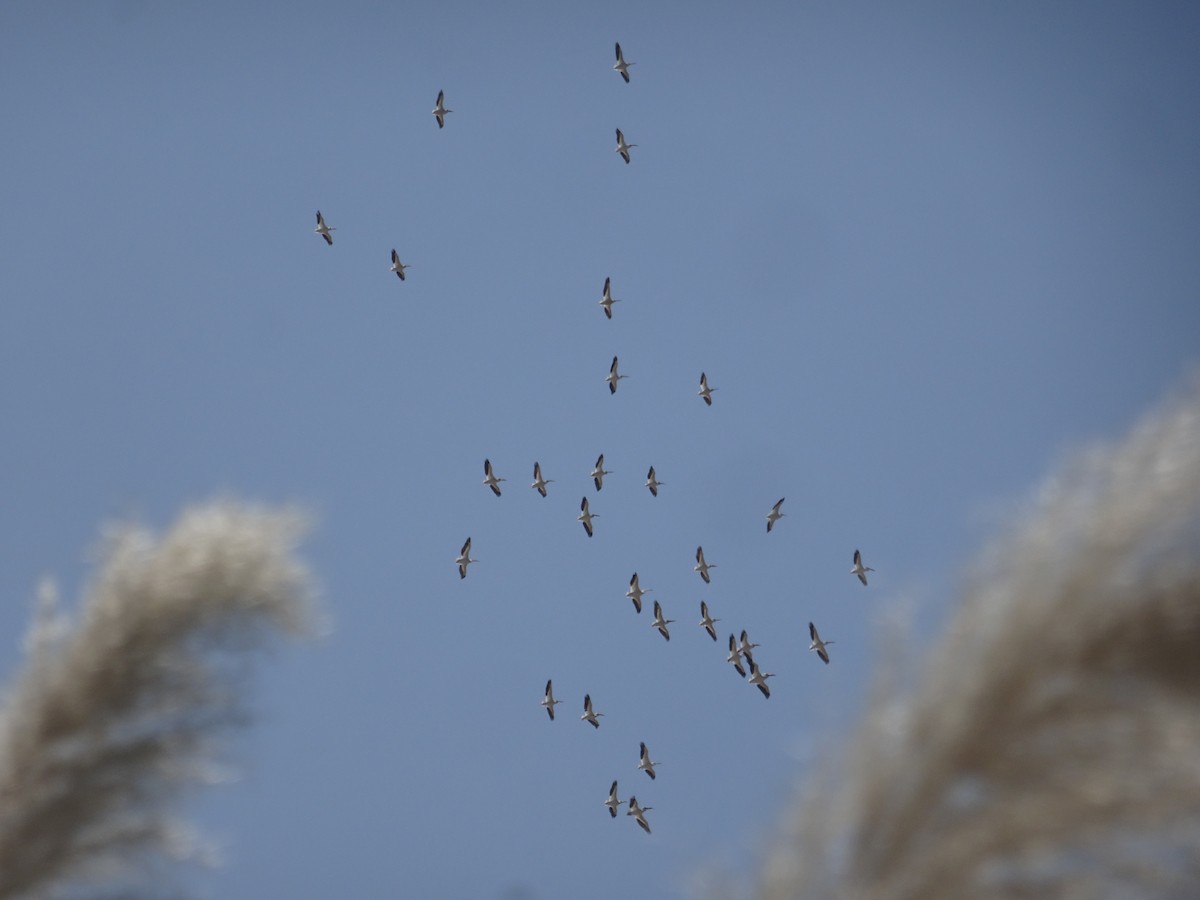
x: 920, y: 253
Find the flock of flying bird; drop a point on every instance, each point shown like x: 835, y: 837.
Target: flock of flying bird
x: 740, y: 647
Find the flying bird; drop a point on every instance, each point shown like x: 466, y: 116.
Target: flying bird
x: 612, y: 378
x: 745, y: 646
x: 599, y: 472
x: 612, y: 802
x: 661, y: 624
x: 635, y: 592
x: 606, y: 299
x: 646, y: 764
x: 652, y: 482
x: 706, y: 621
x: 735, y: 656
x: 589, y: 714
x: 705, y: 391
x: 490, y: 479
x: 817, y: 644
x: 539, y: 483
x: 702, y: 567
x: 622, y: 147
x: 548, y: 701
x: 774, y: 515
x: 440, y: 110
x: 585, y: 516
x: 758, y: 678
x: 859, y: 569
x: 397, y: 266
x: 323, y: 230
x: 464, y: 559
x: 639, y: 813
x: 622, y: 66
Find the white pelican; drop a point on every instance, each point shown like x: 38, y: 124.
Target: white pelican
x: 589, y: 714
x: 490, y: 479
x: 660, y: 623
x: 706, y: 621
x: 607, y: 299
x: 612, y: 378
x: 539, y: 483
x: 735, y: 656
x: 585, y: 516
x: 548, y: 701
x: 612, y: 802
x: 397, y: 266
x: 599, y: 471
x: 464, y: 559
x: 635, y: 592
x: 639, y: 813
x: 744, y: 646
x: 646, y: 764
x: 702, y: 567
x: 622, y: 66
x: 440, y: 110
x: 774, y: 515
x: 758, y: 678
x: 705, y: 391
x: 859, y: 569
x: 622, y: 147
x: 652, y: 482
x: 323, y: 230
x: 817, y: 644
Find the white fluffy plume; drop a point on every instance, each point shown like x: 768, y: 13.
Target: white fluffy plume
x: 1051, y: 746
x: 112, y: 717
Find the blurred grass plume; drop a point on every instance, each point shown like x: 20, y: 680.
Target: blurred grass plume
x: 1049, y: 743
x: 113, y: 716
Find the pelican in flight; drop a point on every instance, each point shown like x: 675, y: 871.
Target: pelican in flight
x: 661, y: 624
x: 397, y: 266
x: 635, y: 592
x: 585, y: 516
x: 589, y: 714
x: 702, y: 567
x: 817, y: 644
x: 638, y: 813
x: 490, y: 479
x: 548, y: 701
x: 599, y: 472
x: 774, y: 515
x: 758, y: 678
x: 464, y: 559
x: 606, y: 299
x: 612, y: 802
x: 652, y: 482
x: 539, y: 483
x: 705, y: 391
x: 706, y: 621
x: 440, y: 110
x: 735, y: 656
x: 745, y: 646
x: 612, y: 378
x: 323, y: 230
x: 622, y: 147
x: 646, y: 764
x: 859, y: 569
x: 622, y: 66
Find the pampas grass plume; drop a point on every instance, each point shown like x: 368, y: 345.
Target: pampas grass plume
x: 114, y: 715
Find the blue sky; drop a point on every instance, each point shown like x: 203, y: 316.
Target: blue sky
x: 921, y: 254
